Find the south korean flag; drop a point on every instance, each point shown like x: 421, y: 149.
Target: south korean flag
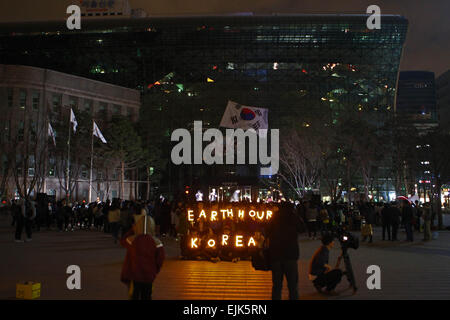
x: 244, y: 117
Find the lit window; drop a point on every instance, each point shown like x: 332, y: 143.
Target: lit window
x: 23, y: 99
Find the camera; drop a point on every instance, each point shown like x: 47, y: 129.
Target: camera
x: 346, y: 239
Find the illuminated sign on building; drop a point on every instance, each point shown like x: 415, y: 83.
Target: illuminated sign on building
x: 242, y: 218
x: 105, y: 7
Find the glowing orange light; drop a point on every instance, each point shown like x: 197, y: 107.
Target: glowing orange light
x: 239, y: 242
x: 211, y: 243
x: 190, y: 215
x: 268, y: 214
x: 252, y: 242
x: 194, y: 243
x: 260, y: 217
x: 252, y: 213
x: 213, y: 215
x: 224, y: 239
x: 241, y: 213
x: 202, y: 214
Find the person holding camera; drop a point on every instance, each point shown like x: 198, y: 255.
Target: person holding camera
x: 320, y: 272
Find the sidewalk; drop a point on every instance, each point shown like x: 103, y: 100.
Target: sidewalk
x: 415, y: 270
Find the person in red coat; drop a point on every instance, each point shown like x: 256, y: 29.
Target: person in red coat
x: 144, y: 258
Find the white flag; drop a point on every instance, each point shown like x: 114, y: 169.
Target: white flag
x: 51, y: 133
x: 244, y: 117
x: 73, y: 120
x: 96, y: 132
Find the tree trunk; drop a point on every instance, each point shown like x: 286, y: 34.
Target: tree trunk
x: 439, y: 204
x: 148, y: 183
x: 4, y: 180
x: 122, y: 180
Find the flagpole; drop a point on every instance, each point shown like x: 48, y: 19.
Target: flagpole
x: 92, y: 161
x: 68, y: 160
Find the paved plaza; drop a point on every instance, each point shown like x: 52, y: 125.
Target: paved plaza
x: 418, y: 270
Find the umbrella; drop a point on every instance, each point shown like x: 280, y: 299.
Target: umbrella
x: 403, y: 198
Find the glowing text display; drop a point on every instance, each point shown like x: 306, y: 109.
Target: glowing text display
x: 237, y: 215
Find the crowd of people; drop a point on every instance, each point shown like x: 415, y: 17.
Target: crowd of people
x: 116, y: 217
x: 363, y: 216
x: 139, y: 225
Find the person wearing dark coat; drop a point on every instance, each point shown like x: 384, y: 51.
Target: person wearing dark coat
x: 395, y: 220
x: 282, y: 233
x: 386, y: 220
x: 407, y: 220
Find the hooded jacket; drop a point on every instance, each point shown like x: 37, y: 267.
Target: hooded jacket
x: 145, y: 255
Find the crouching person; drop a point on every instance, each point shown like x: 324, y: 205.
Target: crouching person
x: 320, y: 272
x: 144, y: 259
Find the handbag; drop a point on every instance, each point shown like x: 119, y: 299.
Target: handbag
x: 261, y: 259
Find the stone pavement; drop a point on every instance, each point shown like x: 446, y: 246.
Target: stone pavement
x: 418, y: 270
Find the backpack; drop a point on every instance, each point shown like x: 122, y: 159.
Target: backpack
x: 261, y: 259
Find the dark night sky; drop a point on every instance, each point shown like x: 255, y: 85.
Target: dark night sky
x: 427, y: 46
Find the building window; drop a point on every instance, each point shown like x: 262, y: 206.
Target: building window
x: 31, y: 172
x: 73, y: 102
x: 130, y: 112
x: 88, y: 106
x: 33, y: 130
x: 51, y: 170
x: 56, y: 103
x: 20, y: 131
x: 51, y: 192
x: 102, y: 108
x: 8, y: 130
x: 117, y: 110
x: 23, y: 99
x: 84, y: 172
x: 10, y: 93
x: 35, y: 100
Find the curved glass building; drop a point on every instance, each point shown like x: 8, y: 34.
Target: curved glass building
x: 187, y: 68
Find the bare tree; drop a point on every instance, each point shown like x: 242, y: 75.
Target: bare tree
x: 300, y: 159
x: 27, y: 152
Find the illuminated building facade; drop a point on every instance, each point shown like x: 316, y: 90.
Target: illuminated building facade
x: 443, y: 99
x: 32, y: 97
x: 187, y: 68
x: 416, y: 99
